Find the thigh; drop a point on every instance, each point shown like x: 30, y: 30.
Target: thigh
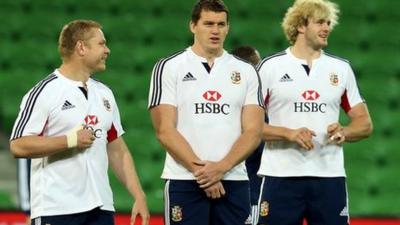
x: 185, y: 203
x: 329, y: 203
x: 234, y: 207
x: 281, y: 201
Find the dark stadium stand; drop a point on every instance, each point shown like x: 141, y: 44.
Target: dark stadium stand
x: 141, y: 32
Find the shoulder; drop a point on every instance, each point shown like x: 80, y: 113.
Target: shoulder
x: 241, y: 66
x: 43, y: 92
x: 336, y: 59
x: 272, y: 58
x: 49, y: 83
x: 174, y: 58
x: 101, y: 86
x: 241, y: 62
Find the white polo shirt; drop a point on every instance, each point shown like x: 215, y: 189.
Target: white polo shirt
x: 209, y: 105
x: 72, y: 181
x: 296, y: 99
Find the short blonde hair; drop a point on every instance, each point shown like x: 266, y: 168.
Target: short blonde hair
x: 302, y: 10
x: 77, y: 30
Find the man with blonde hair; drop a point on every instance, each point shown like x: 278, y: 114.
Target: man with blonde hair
x: 304, y: 88
x: 69, y: 124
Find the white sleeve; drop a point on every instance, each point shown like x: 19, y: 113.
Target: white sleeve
x: 162, y: 85
x: 33, y: 114
x: 264, y: 71
x: 116, y: 129
x: 254, y: 90
x: 352, y: 95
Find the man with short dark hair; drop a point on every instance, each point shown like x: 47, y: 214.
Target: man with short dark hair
x: 208, y: 114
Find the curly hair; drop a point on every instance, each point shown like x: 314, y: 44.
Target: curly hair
x: 302, y: 10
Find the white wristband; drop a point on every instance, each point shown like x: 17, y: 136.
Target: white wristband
x: 72, y: 137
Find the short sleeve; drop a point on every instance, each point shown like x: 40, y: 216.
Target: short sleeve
x: 264, y: 71
x: 351, y: 95
x: 116, y: 129
x: 254, y: 91
x: 162, y: 85
x: 33, y: 114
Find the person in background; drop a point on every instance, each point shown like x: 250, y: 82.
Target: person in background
x: 252, y: 55
x: 304, y: 88
x: 23, y: 181
x: 69, y: 125
x: 207, y: 111
x: 247, y: 53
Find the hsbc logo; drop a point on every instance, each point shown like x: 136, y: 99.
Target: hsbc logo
x: 212, y: 96
x: 310, y: 95
x: 211, y: 106
x: 310, y: 105
x: 90, y: 122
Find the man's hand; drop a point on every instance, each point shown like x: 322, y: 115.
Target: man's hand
x: 215, y: 191
x: 140, y: 208
x: 303, y: 137
x: 85, y: 139
x: 336, y: 134
x: 210, y: 173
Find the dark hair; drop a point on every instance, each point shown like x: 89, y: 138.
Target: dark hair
x: 247, y: 53
x: 208, y: 5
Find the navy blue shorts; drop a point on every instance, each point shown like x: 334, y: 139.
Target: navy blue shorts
x: 252, y: 165
x: 290, y: 200
x: 93, y: 217
x: 186, y: 203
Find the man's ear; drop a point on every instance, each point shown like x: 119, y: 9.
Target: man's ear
x: 80, y: 48
x: 301, y: 29
x: 191, y: 26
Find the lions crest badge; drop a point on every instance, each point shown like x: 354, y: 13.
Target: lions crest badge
x: 176, y: 213
x: 264, y: 208
x: 106, y: 104
x: 334, y: 79
x: 235, y: 77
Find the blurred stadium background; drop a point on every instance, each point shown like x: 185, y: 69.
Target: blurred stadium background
x: 139, y: 32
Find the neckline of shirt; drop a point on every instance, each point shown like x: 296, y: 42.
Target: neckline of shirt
x: 204, y: 60
x: 303, y: 61
x: 73, y: 82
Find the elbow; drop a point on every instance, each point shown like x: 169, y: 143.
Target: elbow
x: 162, y: 135
x: 16, y: 150
x: 256, y: 135
x: 369, y: 129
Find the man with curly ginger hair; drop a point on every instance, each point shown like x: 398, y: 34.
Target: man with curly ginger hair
x: 304, y: 88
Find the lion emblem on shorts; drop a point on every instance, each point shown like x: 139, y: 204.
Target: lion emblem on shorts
x: 176, y: 212
x: 264, y: 208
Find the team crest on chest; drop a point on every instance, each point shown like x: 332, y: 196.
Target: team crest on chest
x: 235, y: 77
x: 176, y: 213
x: 264, y: 208
x: 106, y: 104
x: 334, y: 79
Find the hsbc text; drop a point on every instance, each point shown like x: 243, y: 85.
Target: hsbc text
x: 309, y: 107
x: 215, y: 108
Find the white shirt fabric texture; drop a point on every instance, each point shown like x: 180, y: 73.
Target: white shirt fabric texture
x: 295, y: 99
x: 74, y: 180
x: 209, y: 105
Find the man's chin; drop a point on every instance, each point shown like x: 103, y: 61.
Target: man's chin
x: 99, y: 69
